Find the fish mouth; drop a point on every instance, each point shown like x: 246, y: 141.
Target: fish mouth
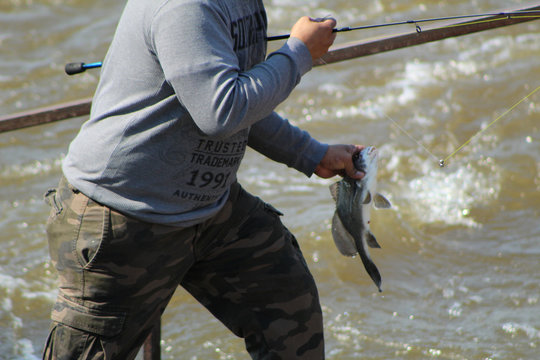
x: 372, y: 151
x: 365, y: 158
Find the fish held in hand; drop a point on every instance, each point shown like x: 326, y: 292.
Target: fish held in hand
x: 354, y: 199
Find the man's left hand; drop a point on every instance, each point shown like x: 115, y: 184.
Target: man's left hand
x: 338, y: 161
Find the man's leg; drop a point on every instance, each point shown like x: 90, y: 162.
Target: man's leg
x: 251, y: 274
x: 116, y: 275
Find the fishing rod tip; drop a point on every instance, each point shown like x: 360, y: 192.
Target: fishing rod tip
x: 441, y: 163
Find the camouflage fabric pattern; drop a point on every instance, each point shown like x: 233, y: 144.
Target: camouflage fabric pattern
x: 117, y: 275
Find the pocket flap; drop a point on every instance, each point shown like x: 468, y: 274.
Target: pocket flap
x: 103, y: 322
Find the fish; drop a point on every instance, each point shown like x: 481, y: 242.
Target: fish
x: 351, y: 220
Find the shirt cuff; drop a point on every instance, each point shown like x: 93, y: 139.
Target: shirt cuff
x: 300, y: 52
x: 312, y: 158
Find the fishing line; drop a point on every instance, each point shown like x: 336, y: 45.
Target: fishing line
x: 443, y: 162
x: 411, y: 137
x: 402, y: 129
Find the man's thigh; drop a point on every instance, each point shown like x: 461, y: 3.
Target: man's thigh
x: 116, y: 275
x: 251, y: 274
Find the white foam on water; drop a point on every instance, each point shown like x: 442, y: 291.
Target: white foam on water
x: 493, y: 51
x: 49, y: 296
x: 25, y: 350
x: 404, y: 88
x: 435, y: 195
x: 28, y: 290
x: 407, y: 86
x: 10, y: 283
x: 31, y: 169
x: 515, y: 329
x: 12, y: 288
x: 448, y: 196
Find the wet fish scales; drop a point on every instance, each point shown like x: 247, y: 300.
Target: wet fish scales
x: 354, y: 199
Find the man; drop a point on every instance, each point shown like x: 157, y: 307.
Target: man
x: 150, y: 198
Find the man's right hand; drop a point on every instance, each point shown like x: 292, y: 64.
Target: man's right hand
x: 317, y: 34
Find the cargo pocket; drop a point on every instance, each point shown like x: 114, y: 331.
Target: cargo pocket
x: 103, y: 321
x: 65, y: 342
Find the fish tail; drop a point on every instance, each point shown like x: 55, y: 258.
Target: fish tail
x: 370, y: 267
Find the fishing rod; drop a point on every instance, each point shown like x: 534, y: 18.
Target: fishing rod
x: 339, y: 53
x: 79, y: 67
x: 508, y: 15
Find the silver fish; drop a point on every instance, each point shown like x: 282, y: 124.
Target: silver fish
x: 354, y: 198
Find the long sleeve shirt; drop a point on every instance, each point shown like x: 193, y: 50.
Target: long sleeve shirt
x: 185, y: 86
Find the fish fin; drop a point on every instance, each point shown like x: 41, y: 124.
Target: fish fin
x: 334, y: 191
x: 381, y: 202
x: 343, y: 240
x: 367, y: 200
x: 371, y: 241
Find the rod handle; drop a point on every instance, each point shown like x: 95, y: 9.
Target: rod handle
x: 79, y: 67
x: 75, y: 68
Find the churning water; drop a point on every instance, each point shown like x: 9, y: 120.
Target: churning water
x: 460, y: 249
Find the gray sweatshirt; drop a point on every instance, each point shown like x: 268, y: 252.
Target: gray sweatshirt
x: 184, y: 88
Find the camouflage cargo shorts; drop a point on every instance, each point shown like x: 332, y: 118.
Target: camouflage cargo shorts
x: 117, y: 274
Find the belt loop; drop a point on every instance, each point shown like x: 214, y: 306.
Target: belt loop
x: 72, y: 188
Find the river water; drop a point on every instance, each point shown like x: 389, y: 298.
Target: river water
x: 460, y: 248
